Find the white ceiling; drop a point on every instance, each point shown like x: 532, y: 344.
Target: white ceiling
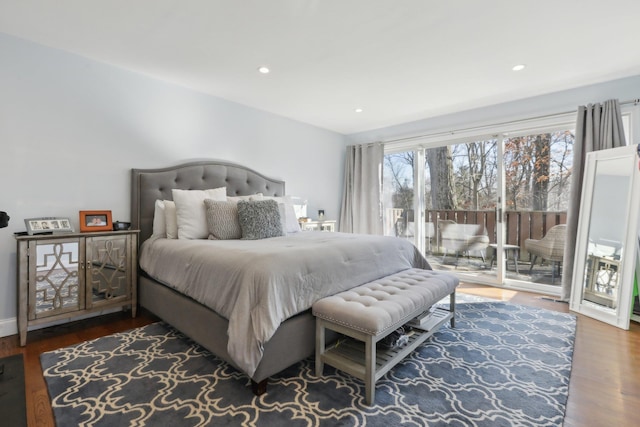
x: 398, y: 60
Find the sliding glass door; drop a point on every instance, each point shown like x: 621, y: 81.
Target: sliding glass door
x: 482, y: 207
x: 444, y: 200
x: 462, y: 195
x: 537, y: 169
x: 398, y: 194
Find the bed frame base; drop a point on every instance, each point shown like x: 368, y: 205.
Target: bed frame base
x: 293, y: 341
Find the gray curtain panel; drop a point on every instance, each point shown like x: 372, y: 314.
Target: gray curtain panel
x: 361, y: 210
x: 598, y: 127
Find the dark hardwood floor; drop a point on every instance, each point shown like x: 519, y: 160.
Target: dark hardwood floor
x: 605, y: 378
x: 38, y: 405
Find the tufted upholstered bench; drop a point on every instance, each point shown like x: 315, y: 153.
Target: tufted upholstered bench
x: 370, y: 312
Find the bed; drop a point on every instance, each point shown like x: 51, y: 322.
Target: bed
x: 284, y: 331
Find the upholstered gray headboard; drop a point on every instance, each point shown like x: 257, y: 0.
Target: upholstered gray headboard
x: 149, y: 185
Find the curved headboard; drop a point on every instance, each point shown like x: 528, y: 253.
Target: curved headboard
x: 149, y: 185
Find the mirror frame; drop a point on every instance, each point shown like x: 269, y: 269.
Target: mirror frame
x: 621, y: 315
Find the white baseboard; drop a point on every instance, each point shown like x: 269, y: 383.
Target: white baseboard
x: 8, y: 327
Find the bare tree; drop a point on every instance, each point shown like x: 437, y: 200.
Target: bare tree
x: 540, y: 182
x: 442, y: 179
x: 532, y: 170
x: 396, y: 165
x: 560, y: 173
x: 476, y: 160
x: 518, y: 171
x: 464, y: 176
x: 490, y: 178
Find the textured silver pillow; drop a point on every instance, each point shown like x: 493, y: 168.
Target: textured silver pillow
x: 222, y: 219
x: 259, y: 219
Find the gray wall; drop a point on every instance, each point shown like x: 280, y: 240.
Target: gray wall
x: 71, y: 129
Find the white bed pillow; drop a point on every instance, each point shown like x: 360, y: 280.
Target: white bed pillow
x: 159, y: 221
x: 290, y: 218
x: 191, y: 214
x: 170, y: 219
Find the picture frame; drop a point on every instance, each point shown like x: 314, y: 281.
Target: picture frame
x: 48, y: 225
x: 95, y: 221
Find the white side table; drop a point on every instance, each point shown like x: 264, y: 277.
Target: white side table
x: 324, y: 225
x: 513, y: 249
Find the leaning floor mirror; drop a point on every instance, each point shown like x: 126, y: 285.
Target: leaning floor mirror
x: 607, y: 240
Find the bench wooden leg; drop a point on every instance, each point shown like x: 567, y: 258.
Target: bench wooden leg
x: 320, y: 347
x: 370, y: 370
x: 452, y: 309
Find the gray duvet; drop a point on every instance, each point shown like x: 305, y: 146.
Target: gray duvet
x: 257, y: 284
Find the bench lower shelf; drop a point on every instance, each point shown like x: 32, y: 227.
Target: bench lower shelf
x: 351, y: 355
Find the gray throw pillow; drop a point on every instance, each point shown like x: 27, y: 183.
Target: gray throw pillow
x: 222, y: 220
x: 259, y: 219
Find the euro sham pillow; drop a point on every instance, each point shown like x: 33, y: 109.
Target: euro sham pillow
x: 171, y: 221
x: 222, y: 219
x: 159, y: 221
x: 191, y: 215
x: 259, y: 219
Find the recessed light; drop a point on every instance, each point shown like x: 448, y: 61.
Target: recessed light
x: 358, y: 110
x: 264, y: 70
x: 518, y: 67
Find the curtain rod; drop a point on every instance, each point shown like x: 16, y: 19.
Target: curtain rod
x: 451, y: 132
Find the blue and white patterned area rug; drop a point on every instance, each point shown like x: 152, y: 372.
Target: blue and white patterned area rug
x: 503, y: 365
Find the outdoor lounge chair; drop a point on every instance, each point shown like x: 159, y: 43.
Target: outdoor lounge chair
x: 462, y: 238
x: 550, y: 248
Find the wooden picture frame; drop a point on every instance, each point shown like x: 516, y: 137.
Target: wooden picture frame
x: 95, y: 221
x: 48, y: 225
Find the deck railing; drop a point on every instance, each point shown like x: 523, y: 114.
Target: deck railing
x: 519, y: 225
